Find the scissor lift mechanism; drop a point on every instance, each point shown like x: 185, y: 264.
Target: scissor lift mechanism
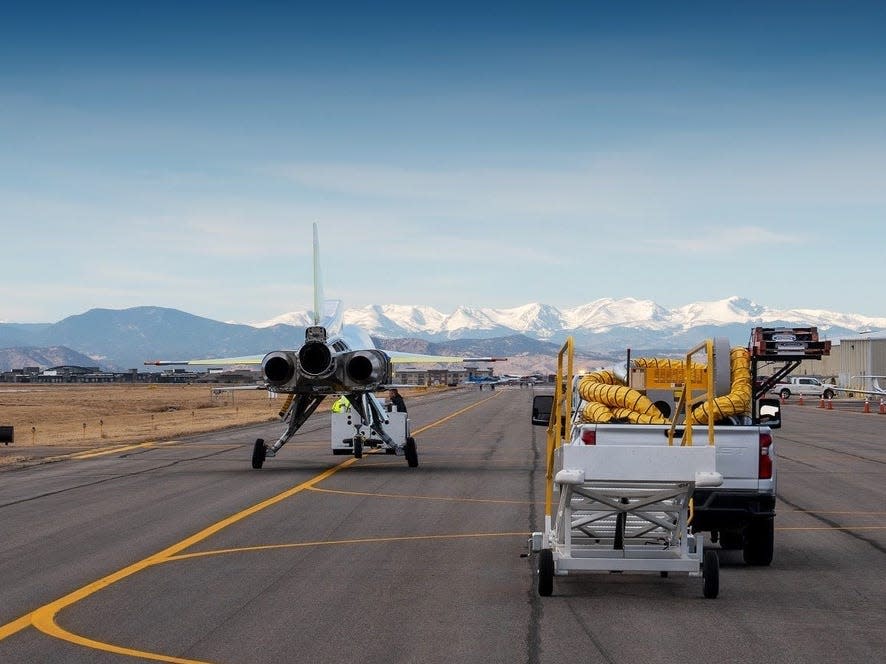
x: 623, y: 508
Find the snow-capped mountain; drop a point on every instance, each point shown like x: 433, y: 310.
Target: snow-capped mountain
x: 628, y: 319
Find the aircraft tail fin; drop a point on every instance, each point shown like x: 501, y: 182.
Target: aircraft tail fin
x: 318, y: 279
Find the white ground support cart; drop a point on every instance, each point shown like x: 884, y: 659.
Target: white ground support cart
x: 389, y: 430
x: 621, y: 508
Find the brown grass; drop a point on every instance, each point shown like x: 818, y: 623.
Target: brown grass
x: 77, y: 415
x: 98, y: 415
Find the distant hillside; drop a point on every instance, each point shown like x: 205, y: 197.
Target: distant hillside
x: 54, y: 356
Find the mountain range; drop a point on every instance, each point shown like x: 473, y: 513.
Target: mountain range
x: 124, y: 338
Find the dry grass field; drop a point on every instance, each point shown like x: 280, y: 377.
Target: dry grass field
x: 93, y: 415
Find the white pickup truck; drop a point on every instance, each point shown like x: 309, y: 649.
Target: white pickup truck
x: 740, y: 512
x: 805, y: 386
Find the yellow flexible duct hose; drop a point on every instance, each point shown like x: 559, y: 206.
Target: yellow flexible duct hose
x: 738, y: 401
x: 592, y: 389
x: 596, y: 413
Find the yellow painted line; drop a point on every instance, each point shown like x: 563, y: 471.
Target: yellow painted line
x: 455, y: 414
x: 113, y: 450
x: 43, y: 618
x: 366, y: 540
x: 448, y: 499
x: 831, y: 528
x: 858, y: 513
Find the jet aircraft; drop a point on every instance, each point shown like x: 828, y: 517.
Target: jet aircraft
x: 335, y: 359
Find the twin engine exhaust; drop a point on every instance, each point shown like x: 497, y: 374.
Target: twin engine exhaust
x: 317, y: 369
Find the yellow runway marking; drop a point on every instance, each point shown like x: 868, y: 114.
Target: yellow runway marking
x: 365, y: 540
x: 496, y: 501
x: 455, y: 414
x: 831, y: 528
x: 43, y: 618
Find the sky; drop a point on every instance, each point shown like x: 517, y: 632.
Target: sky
x: 485, y: 154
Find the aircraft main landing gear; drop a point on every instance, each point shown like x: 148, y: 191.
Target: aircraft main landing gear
x: 259, y: 452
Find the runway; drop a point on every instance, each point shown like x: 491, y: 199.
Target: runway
x: 180, y: 552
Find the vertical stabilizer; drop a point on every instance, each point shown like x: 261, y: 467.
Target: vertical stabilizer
x: 318, y: 279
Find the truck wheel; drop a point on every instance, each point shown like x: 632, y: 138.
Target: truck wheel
x: 545, y: 572
x: 785, y: 394
x: 711, y: 572
x: 828, y: 394
x: 759, y: 541
x: 731, y: 540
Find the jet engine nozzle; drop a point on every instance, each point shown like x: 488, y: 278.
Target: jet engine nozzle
x: 364, y: 369
x: 280, y: 367
x: 315, y: 359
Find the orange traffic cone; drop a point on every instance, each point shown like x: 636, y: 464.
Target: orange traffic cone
x: 882, y: 406
x: 867, y: 406
x: 821, y: 402
x: 830, y: 404
x: 800, y: 402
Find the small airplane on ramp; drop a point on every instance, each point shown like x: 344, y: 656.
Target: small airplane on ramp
x: 335, y: 359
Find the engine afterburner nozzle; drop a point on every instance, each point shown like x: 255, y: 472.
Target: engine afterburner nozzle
x: 280, y: 367
x: 315, y: 359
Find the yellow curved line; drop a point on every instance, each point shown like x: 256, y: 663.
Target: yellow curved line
x: 43, y: 618
x: 365, y: 540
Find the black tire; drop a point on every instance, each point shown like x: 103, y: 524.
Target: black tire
x: 731, y: 540
x: 711, y: 572
x: 358, y: 448
x: 259, y: 452
x: 828, y: 394
x: 620, y: 521
x: 759, y: 542
x: 411, y: 453
x: 545, y: 572
x: 785, y: 394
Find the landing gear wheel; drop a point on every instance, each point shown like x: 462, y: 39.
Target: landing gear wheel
x: 545, y: 572
x: 759, y: 541
x: 711, y: 573
x: 259, y: 452
x: 358, y: 448
x: 411, y: 453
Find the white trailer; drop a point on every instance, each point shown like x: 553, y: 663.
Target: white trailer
x: 623, y: 507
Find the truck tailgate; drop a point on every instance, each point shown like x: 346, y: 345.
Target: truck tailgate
x: 738, y: 447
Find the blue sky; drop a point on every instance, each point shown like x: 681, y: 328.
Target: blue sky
x: 488, y: 154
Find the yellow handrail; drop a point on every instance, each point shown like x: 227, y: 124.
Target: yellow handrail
x: 561, y: 415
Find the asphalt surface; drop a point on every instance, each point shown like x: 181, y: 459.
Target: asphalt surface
x: 181, y: 552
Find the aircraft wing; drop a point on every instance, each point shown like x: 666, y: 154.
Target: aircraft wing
x: 211, y: 361
x: 398, y: 357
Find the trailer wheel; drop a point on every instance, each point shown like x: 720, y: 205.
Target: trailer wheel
x: 759, y: 541
x: 411, y: 453
x: 711, y: 573
x: 545, y: 572
x: 259, y: 452
x: 358, y: 447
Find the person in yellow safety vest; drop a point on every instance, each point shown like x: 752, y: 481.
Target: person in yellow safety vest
x: 341, y: 405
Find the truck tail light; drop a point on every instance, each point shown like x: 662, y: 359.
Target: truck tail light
x: 765, y: 468
x: 589, y: 436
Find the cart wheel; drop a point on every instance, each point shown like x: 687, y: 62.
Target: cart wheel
x: 545, y: 572
x: 711, y: 573
x: 411, y: 453
x: 759, y: 541
x: 258, y: 453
